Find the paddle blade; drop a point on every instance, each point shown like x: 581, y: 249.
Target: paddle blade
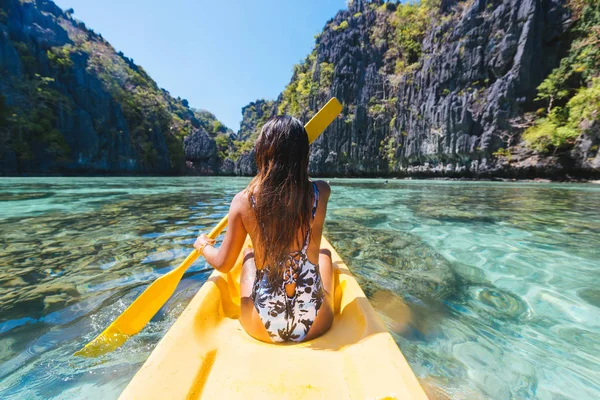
x: 322, y: 119
x: 139, y: 313
x: 107, y: 341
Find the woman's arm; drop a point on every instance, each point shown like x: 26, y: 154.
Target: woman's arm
x: 224, y: 258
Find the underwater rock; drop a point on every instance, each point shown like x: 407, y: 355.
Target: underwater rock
x: 359, y: 215
x: 396, y: 261
x: 591, y: 296
x: 446, y: 212
x: 34, y: 300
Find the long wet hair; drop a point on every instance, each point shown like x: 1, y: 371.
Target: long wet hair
x: 280, y: 191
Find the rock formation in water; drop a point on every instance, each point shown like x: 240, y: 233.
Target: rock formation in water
x: 70, y: 104
x: 476, y: 88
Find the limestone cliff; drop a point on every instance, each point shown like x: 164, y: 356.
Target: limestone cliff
x: 70, y: 104
x: 454, y: 89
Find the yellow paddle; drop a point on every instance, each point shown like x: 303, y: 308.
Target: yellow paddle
x: 139, y: 313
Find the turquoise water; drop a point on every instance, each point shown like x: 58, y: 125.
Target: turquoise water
x: 490, y: 289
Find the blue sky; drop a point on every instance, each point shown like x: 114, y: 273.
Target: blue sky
x: 220, y: 55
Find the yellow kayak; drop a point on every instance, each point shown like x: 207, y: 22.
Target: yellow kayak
x: 207, y: 354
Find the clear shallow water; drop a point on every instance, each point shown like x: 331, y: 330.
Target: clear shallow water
x: 490, y: 289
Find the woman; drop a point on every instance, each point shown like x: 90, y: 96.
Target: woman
x: 287, y: 283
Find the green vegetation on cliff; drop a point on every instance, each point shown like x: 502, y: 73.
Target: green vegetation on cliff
x: 572, y: 91
x: 399, y: 28
x: 70, y: 101
x: 254, y: 116
x: 398, y: 32
x: 33, y: 119
x: 296, y: 95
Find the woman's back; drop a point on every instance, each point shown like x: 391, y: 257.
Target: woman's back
x: 288, y: 306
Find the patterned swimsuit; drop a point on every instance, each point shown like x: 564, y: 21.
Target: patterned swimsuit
x: 290, y: 318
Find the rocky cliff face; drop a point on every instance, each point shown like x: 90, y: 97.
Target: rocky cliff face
x: 442, y: 89
x: 69, y: 103
x: 254, y: 115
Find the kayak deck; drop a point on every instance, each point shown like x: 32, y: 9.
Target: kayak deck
x: 207, y: 353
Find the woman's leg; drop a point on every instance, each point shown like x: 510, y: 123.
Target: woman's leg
x: 324, y: 317
x: 326, y: 271
x: 249, y: 318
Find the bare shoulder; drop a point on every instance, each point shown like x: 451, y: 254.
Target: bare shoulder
x: 324, y: 189
x: 240, y: 202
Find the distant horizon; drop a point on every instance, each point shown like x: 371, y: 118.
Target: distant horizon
x: 219, y: 57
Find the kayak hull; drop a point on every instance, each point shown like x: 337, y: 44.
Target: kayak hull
x: 207, y: 353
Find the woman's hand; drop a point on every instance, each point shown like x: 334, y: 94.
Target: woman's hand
x: 202, y: 241
x: 224, y: 257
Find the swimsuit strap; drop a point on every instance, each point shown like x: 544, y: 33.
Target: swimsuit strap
x: 252, y: 201
x: 316, y: 202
